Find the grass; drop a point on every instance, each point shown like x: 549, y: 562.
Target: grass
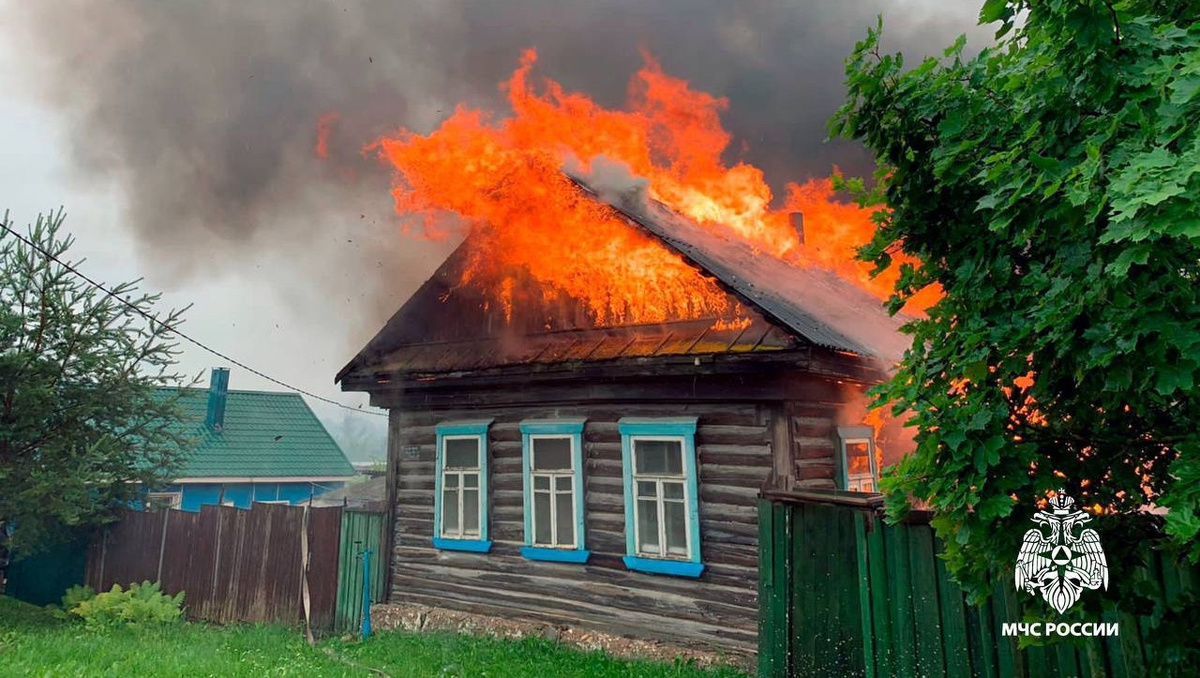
x: 33, y: 642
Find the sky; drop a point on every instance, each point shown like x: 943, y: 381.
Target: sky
x: 178, y: 138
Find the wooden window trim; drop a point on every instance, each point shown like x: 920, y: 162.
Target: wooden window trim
x: 462, y: 430
x: 848, y: 435
x: 572, y: 429
x: 682, y: 429
x: 175, y: 498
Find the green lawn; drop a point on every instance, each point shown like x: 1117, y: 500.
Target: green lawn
x: 35, y: 643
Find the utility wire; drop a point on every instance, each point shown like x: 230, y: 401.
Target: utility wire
x: 170, y: 328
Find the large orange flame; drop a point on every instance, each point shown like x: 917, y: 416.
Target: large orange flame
x: 503, y: 176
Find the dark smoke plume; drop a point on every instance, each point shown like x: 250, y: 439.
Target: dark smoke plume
x: 204, y: 112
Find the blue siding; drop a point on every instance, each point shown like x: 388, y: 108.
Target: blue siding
x: 242, y: 495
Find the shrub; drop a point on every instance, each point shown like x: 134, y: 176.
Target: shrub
x: 76, y: 595
x: 140, y: 605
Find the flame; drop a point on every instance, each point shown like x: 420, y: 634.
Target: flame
x: 502, y: 176
x: 324, y: 125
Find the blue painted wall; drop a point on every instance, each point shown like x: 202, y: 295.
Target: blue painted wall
x: 242, y: 495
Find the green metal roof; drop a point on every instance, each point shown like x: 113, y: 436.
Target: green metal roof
x: 265, y: 434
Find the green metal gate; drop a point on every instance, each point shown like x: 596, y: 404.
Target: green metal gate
x: 360, y: 531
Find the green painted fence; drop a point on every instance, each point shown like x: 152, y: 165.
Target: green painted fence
x: 360, y: 531
x: 843, y: 594
x: 43, y: 578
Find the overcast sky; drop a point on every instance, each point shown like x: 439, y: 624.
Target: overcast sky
x: 145, y: 122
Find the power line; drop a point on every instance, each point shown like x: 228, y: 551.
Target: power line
x: 170, y: 328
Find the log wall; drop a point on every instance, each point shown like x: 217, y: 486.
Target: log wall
x: 734, y: 443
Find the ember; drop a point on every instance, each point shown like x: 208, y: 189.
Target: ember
x: 504, y: 178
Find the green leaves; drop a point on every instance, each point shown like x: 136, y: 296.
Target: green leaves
x: 1051, y: 187
x: 83, y: 429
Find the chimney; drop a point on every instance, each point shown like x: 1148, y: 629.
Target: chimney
x: 797, y: 220
x: 218, y: 391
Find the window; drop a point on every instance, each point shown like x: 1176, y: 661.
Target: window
x: 460, y: 496
x: 552, y: 463
x: 858, y: 469
x: 162, y: 500
x: 662, y: 517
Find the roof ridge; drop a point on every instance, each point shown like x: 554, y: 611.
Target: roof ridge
x: 239, y: 391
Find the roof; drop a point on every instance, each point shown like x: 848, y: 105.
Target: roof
x: 368, y: 493
x: 265, y: 434
x: 816, y: 304
x: 447, y: 327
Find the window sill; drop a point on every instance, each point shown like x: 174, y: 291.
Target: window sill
x: 675, y: 568
x: 555, y: 555
x: 472, y: 545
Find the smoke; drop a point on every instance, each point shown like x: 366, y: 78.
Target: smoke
x: 204, y: 114
x: 611, y: 179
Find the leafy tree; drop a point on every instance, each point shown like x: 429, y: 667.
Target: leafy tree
x: 1051, y: 186
x: 84, y: 427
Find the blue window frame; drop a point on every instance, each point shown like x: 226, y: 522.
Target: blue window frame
x: 460, y: 500
x: 552, y: 469
x: 662, y: 514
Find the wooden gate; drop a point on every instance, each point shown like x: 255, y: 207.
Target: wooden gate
x: 360, y: 531
x: 843, y: 593
x: 232, y: 564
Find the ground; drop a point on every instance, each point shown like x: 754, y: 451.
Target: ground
x: 34, y: 642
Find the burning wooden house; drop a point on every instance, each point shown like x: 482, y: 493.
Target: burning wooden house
x: 565, y: 458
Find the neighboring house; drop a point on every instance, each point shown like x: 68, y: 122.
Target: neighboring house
x: 367, y: 493
x: 608, y: 477
x: 252, y: 446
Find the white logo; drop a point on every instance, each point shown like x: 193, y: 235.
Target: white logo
x: 1063, y: 563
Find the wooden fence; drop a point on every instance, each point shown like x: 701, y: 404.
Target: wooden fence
x: 232, y: 564
x: 841, y: 593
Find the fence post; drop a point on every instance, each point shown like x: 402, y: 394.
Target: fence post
x: 366, y: 597
x: 216, y: 554
x: 305, y: 597
x: 103, y: 554
x: 162, y: 545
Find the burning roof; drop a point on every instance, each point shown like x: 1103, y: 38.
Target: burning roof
x: 663, y: 249
x: 457, y: 323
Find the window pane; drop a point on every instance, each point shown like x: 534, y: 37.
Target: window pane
x: 565, y: 515
x: 450, y: 481
x: 676, y: 528
x: 450, y: 512
x: 858, y: 457
x: 541, y: 482
x: 563, y: 483
x: 541, y: 519
x: 462, y: 453
x: 659, y: 457
x: 470, y: 480
x: 673, y: 490
x: 551, y: 453
x: 647, y: 488
x: 471, y: 513
x: 647, y: 523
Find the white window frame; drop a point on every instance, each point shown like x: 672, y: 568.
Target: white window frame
x: 660, y: 504
x: 174, y: 499
x: 460, y: 474
x: 570, y: 428
x: 553, y: 492
x: 459, y: 540
x: 852, y: 435
x: 683, y: 430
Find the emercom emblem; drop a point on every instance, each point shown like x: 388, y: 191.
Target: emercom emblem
x: 1064, y: 562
